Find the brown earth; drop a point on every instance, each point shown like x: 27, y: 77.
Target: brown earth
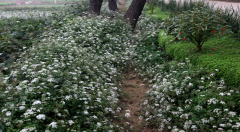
x: 134, y: 94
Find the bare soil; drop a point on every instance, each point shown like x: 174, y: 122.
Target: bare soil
x: 134, y: 94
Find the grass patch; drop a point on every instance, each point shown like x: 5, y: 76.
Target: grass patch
x: 221, y: 54
x: 157, y: 13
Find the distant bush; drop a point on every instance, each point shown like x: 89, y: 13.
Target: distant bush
x: 7, y: 4
x: 230, y: 15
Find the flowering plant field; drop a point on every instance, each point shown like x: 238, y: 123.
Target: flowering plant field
x: 70, y: 80
x: 25, y: 14
x: 189, y: 99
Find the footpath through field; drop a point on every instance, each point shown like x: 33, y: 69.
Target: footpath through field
x: 134, y: 95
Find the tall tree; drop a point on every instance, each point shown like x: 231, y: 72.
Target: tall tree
x: 134, y: 11
x: 112, y: 4
x: 95, y: 6
x: 132, y: 14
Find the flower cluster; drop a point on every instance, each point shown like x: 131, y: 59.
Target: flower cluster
x: 68, y: 80
x: 25, y: 14
x: 190, y: 99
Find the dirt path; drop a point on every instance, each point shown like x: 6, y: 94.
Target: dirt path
x: 134, y: 94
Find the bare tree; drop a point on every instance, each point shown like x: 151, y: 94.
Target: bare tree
x: 112, y: 4
x: 134, y: 11
x: 95, y: 6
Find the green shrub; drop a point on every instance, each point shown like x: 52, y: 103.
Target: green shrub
x: 7, y: 4
x: 230, y: 15
x: 197, y: 25
x: 151, y: 4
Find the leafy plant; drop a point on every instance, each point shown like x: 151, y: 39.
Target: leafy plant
x: 197, y: 25
x: 151, y: 5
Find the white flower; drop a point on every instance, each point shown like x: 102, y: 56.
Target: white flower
x: 41, y: 117
x: 222, y: 94
x: 99, y: 124
x: 28, y: 129
x: 70, y: 122
x: 48, y: 93
x: 34, y: 80
x: 190, y: 84
x: 145, y: 102
x: 118, y: 109
x: 21, y: 107
x: 8, y: 113
x: 94, y: 117
x: 222, y: 125
x: 194, y: 127
x: 85, y: 112
x: 212, y: 101
x: 53, y: 124
x: 36, y: 102
x: 4, y: 110
x: 24, y: 130
x: 128, y: 111
x: 222, y: 102
x: 68, y: 97
x: 217, y: 70
x: 51, y: 80
x: 187, y: 124
x: 232, y: 114
x: 127, y: 115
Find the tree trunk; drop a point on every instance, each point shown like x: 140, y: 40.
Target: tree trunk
x: 112, y: 4
x: 95, y: 6
x: 55, y: 1
x: 134, y: 11
x: 199, y: 47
